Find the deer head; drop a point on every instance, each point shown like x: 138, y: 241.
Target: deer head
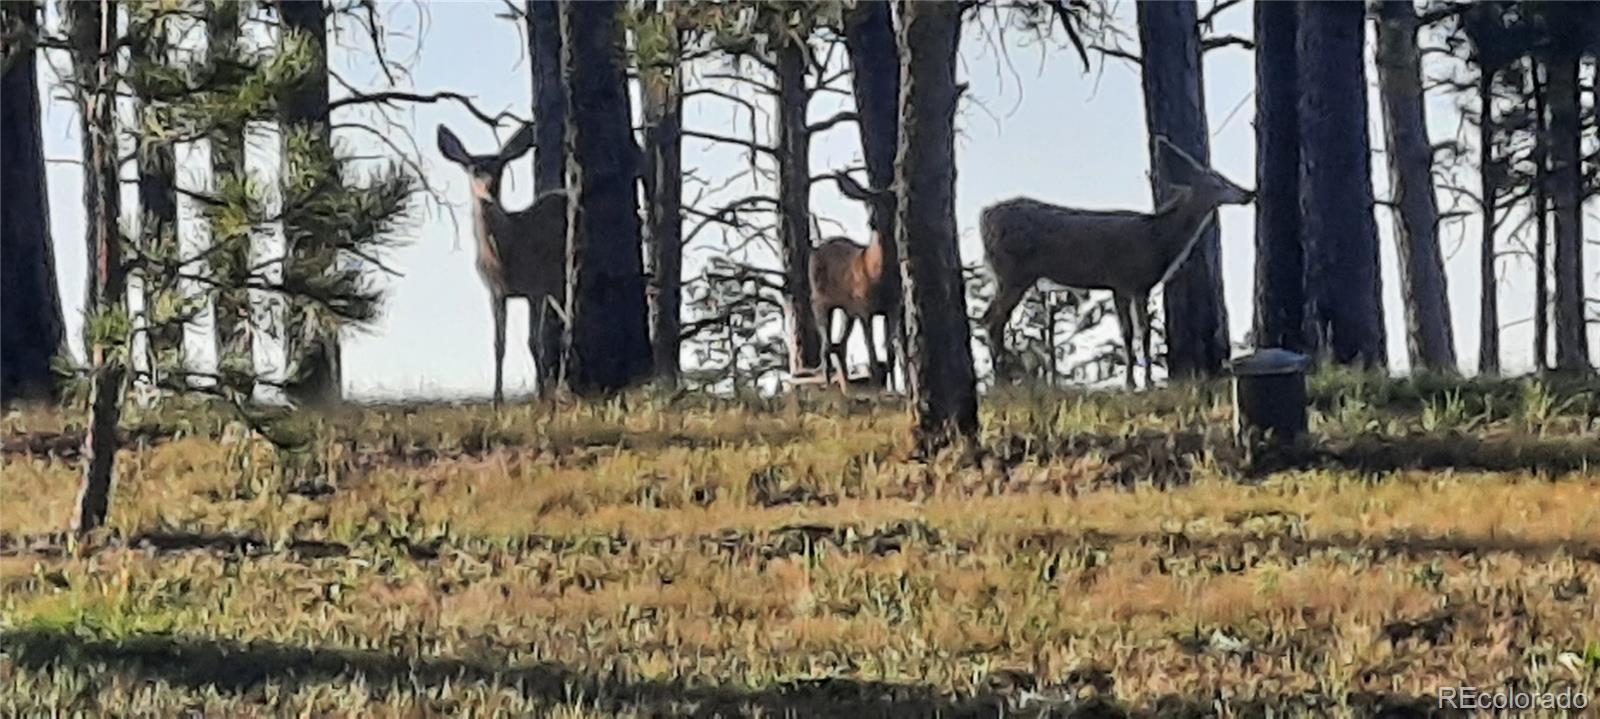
x: 1206, y: 183
x: 485, y: 170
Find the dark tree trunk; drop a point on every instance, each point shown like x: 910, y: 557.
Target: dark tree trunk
x: 943, y: 388
x: 1175, y: 106
x: 875, y: 78
x: 313, y: 348
x: 549, y: 96
x: 1341, y: 234
x: 549, y: 155
x: 158, y: 206
x: 608, y: 341
x: 235, y: 329
x: 1281, y: 299
x: 1541, y: 219
x: 1430, y: 339
x: 93, y: 67
x: 31, y: 326
x: 794, y: 199
x: 662, y: 92
x: 1489, y: 189
x: 1566, y: 194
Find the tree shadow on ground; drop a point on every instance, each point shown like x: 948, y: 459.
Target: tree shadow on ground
x: 233, y: 666
x: 236, y: 667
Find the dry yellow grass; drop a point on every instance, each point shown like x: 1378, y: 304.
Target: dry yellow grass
x: 715, y: 558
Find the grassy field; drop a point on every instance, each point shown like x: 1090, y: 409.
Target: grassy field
x: 1102, y: 555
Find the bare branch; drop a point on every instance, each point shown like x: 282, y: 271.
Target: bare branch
x: 839, y: 117
x: 748, y: 144
x: 1214, y: 43
x: 391, y: 97
x: 1205, y: 22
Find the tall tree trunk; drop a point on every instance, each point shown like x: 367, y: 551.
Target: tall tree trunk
x: 310, y: 345
x: 1541, y: 218
x: 1281, y: 299
x: 662, y: 92
x: 794, y: 197
x: 549, y: 96
x: 1175, y: 106
x: 608, y: 341
x: 1566, y: 194
x: 1341, y: 234
x: 1430, y: 339
x: 93, y: 32
x: 235, y: 328
x: 549, y: 155
x: 1489, y: 189
x: 943, y: 388
x: 158, y: 209
x: 31, y: 326
x: 875, y: 79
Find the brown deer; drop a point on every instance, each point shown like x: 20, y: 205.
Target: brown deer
x: 1126, y: 252
x: 863, y: 281
x: 520, y: 254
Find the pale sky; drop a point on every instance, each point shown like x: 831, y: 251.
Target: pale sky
x: 1035, y: 125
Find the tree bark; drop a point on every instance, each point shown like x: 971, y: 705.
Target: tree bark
x: 235, y: 328
x: 1489, y: 189
x: 1281, y: 298
x: 1541, y: 218
x: 662, y: 92
x: 31, y: 324
x: 943, y: 387
x: 1341, y: 234
x: 156, y: 165
x: 1430, y: 338
x: 310, y: 344
x: 875, y: 78
x: 870, y: 42
x: 1566, y: 194
x: 794, y: 197
x: 607, y: 343
x: 1175, y: 106
x: 92, y: 28
x: 549, y: 154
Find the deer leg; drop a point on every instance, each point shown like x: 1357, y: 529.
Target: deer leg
x: 546, y: 354
x: 874, y: 370
x: 995, y: 318
x: 822, y: 316
x: 1125, y: 323
x: 1141, y: 318
x: 841, y: 351
x: 498, y: 307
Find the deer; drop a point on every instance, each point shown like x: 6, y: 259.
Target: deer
x: 521, y: 253
x: 1127, y: 252
x: 863, y: 281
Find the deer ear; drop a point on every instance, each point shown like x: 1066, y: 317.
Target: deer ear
x: 450, y: 147
x: 518, y: 144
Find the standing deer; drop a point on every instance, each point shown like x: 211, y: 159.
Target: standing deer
x: 520, y: 254
x: 864, y: 281
x: 1126, y: 252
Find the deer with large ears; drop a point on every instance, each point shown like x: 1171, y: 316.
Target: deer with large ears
x: 1126, y: 252
x: 520, y: 254
x: 863, y: 281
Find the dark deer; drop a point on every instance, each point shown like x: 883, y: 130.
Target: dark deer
x: 1126, y: 252
x: 520, y: 254
x: 863, y: 281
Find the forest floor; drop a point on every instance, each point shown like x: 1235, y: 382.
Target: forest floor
x: 1105, y: 554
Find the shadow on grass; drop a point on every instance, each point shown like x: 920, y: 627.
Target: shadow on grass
x: 236, y: 667
x: 232, y: 666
